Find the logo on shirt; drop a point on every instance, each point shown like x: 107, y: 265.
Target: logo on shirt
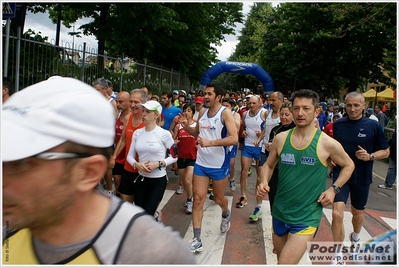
x: 308, y: 160
x: 216, y: 120
x: 361, y: 134
x: 212, y: 128
x: 287, y: 158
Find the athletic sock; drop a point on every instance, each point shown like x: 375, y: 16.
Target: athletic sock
x: 355, y: 236
x: 225, y: 214
x: 197, y: 233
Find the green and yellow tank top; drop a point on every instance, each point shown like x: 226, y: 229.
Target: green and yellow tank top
x: 301, y: 180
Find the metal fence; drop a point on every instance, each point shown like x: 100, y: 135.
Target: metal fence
x: 31, y: 60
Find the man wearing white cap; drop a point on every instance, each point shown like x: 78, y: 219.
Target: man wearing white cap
x: 53, y: 159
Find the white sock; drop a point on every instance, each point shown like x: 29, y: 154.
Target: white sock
x: 355, y: 236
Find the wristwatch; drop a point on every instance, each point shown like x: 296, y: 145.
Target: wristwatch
x: 371, y: 157
x: 160, y: 165
x: 336, y: 188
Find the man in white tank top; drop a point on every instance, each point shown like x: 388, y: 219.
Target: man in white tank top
x: 272, y: 119
x: 216, y: 131
x: 254, y: 120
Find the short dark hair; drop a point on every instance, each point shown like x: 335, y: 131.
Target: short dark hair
x: 168, y: 94
x: 306, y: 93
x: 148, y: 88
x: 190, y: 106
x: 217, y: 88
x: 8, y: 84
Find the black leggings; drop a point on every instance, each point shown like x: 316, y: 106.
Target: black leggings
x: 148, y: 192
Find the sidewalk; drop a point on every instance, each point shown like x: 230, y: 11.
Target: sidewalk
x: 380, y: 169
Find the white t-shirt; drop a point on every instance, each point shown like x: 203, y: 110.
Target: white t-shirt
x: 151, y: 146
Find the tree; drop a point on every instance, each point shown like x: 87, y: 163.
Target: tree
x: 327, y: 46
x: 173, y: 35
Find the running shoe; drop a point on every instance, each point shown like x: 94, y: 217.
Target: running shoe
x: 338, y: 262
x: 210, y: 189
x: 253, y: 162
x: 225, y: 225
x: 243, y: 202
x: 383, y: 186
x: 189, y: 208
x: 111, y: 192
x: 232, y: 185
x: 195, y: 245
x: 211, y: 196
x: 157, y: 217
x: 179, y: 190
x: 249, y: 171
x: 255, y: 215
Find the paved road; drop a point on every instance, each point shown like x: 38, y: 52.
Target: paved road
x: 250, y: 243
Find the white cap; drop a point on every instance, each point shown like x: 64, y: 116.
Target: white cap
x: 49, y: 113
x: 152, y: 105
x: 249, y: 96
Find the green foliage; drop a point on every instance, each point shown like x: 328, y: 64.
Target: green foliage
x: 326, y: 46
x: 323, y: 46
x: 173, y: 35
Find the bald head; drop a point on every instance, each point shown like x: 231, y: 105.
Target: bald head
x: 122, y: 101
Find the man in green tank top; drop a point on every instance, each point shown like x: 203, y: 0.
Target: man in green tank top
x: 302, y: 154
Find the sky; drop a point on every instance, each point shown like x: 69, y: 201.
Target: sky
x: 40, y: 22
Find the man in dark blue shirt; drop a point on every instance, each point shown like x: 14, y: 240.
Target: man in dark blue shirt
x: 364, y: 141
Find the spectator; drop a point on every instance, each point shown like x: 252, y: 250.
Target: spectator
x: 382, y: 118
x: 391, y: 173
x: 370, y: 114
x: 321, y: 118
x: 54, y: 154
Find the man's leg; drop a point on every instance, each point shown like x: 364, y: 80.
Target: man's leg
x: 357, y: 220
x: 293, y: 249
x: 337, y: 224
x: 200, y: 189
x: 219, y: 187
x: 245, y: 165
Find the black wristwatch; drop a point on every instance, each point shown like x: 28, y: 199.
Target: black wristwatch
x: 160, y: 165
x: 336, y: 188
x: 371, y: 157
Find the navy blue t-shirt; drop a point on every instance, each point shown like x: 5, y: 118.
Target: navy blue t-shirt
x: 364, y: 132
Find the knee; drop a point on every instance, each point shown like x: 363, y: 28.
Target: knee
x: 337, y: 216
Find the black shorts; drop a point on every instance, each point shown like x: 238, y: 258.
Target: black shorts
x: 184, y: 163
x: 118, y: 169
x: 359, y: 194
x: 126, y: 186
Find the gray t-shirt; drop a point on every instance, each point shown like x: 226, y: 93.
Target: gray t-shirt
x: 147, y: 242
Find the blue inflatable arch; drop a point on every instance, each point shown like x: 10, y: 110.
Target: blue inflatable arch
x: 240, y: 68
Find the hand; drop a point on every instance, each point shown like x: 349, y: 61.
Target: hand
x: 362, y: 154
x: 144, y: 167
x: 256, y: 143
x: 258, y: 133
x: 183, y: 120
x: 327, y: 197
x: 244, y: 133
x: 267, y: 146
x: 202, y: 142
x: 262, y: 190
x: 111, y: 163
x: 177, y: 141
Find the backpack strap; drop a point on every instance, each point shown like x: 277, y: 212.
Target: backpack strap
x: 109, y: 243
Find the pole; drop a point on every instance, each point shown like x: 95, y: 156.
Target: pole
x: 120, y: 84
x: 6, y: 48
x: 84, y: 59
x: 18, y: 58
